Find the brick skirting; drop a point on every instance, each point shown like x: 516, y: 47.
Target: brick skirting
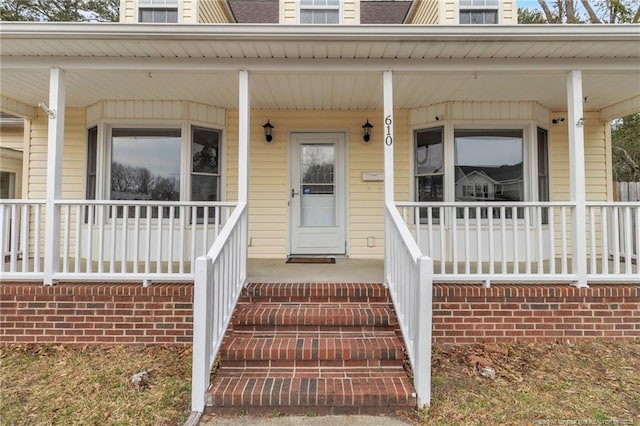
x: 127, y: 313
x: 534, y: 313
x: 96, y: 313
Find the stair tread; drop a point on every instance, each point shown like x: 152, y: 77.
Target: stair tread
x: 302, y: 314
x: 258, y: 346
x: 312, y: 391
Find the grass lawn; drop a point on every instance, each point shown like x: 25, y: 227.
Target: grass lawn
x: 545, y: 384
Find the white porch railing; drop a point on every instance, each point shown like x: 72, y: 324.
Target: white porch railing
x: 613, y: 234
x: 485, y: 241
x: 21, y: 231
x: 124, y: 240
x: 219, y: 279
x: 408, y: 276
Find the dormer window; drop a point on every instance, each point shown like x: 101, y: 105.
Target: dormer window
x: 319, y: 11
x: 479, y: 12
x: 158, y: 11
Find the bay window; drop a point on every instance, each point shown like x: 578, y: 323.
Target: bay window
x: 480, y: 165
x: 154, y: 164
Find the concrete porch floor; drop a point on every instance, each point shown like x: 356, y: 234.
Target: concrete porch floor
x: 345, y: 270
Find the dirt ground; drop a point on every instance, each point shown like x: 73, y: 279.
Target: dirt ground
x: 512, y: 384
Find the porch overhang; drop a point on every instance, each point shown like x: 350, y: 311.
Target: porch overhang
x: 321, y: 67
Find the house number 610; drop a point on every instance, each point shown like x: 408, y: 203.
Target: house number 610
x: 388, y: 140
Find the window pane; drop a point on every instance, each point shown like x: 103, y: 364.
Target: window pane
x: 205, y: 150
x: 543, y: 166
x: 465, y: 17
x: 430, y: 188
x: 489, y: 163
x: 429, y: 151
x: 156, y: 15
x: 145, y: 164
x: 204, y: 188
x: 92, y: 159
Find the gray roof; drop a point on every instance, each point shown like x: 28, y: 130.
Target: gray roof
x: 254, y: 11
x: 383, y: 12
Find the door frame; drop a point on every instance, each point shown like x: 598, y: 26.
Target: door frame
x: 341, y: 182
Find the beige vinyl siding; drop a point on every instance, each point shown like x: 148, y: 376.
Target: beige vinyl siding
x: 213, y: 12
x: 269, y: 185
x: 12, y: 137
x: 128, y: 11
x: 288, y: 12
x: 509, y: 13
x: 449, y: 12
x: 482, y: 110
x: 189, y: 12
x: 425, y: 12
x: 351, y: 12
x: 74, y: 153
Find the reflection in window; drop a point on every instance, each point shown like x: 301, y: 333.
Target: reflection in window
x: 145, y: 164
x: 158, y: 11
x: 479, y: 12
x: 489, y: 165
x: 205, y: 164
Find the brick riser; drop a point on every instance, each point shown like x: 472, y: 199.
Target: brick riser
x: 312, y: 347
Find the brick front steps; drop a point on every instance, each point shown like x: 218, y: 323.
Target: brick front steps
x: 323, y: 348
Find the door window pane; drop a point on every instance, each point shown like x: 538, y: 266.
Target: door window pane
x: 317, y: 186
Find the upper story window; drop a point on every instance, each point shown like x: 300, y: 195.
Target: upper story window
x: 479, y: 12
x: 158, y: 11
x: 319, y: 11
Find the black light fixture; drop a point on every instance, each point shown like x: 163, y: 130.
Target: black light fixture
x: 366, y: 133
x: 267, y: 131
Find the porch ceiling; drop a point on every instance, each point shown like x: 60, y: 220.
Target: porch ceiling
x: 301, y: 67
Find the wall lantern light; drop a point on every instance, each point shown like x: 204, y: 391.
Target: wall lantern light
x: 268, y: 127
x: 366, y: 131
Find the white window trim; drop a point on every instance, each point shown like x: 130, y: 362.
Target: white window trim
x: 145, y: 6
x: 103, y: 172
x: 339, y: 7
x: 530, y: 148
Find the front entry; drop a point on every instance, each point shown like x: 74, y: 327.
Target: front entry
x: 317, y: 198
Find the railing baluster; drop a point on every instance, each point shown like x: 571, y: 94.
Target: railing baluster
x: 114, y: 225
x: 467, y: 242
x: 76, y: 266
x: 429, y: 229
x: 26, y: 226
x: 125, y: 239
x: 170, y: 242
x: 637, y: 242
x: 194, y: 227
x: 563, y: 226
x: 628, y: 250
x: 136, y: 238
x: 527, y: 240
x: 101, y: 239
x: 66, y: 241
x: 478, y: 241
x: 605, y: 240
x: 91, y: 212
x: 552, y: 240
x: 147, y: 258
x: 454, y: 238
x: 616, y: 240
x: 182, y: 241
x: 159, y: 244
x: 13, y: 252
x: 592, y: 240
x: 503, y: 237
x: 492, y: 266
x: 205, y: 234
x: 539, y: 234
x: 416, y: 215
x: 443, y: 240
x: 516, y: 254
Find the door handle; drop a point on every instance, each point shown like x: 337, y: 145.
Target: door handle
x: 294, y: 193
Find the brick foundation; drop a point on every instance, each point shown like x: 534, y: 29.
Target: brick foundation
x: 96, y: 313
x: 117, y: 313
x: 534, y: 313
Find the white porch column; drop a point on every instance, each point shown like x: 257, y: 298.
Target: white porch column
x: 387, y: 137
x: 55, y: 143
x: 244, y: 112
x: 577, y: 176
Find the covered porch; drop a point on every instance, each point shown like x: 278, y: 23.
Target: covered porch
x: 563, y: 226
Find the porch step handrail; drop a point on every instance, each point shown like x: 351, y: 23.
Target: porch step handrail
x: 219, y: 279
x: 408, y: 276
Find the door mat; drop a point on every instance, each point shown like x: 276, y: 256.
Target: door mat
x: 311, y: 260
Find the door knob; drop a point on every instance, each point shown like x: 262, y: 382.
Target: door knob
x: 294, y: 193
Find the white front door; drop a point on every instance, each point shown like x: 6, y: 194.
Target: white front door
x: 317, y: 196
